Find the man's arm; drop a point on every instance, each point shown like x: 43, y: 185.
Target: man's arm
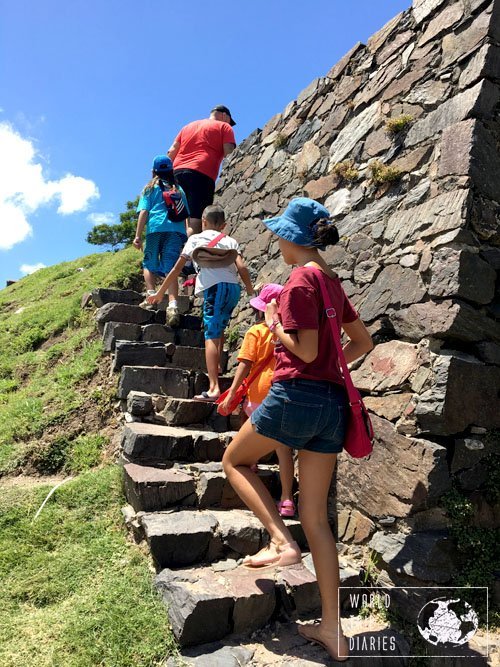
x: 228, y: 149
x: 173, y: 150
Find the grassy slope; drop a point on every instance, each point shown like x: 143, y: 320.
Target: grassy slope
x: 75, y: 592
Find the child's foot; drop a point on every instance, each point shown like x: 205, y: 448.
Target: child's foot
x: 206, y: 396
x: 286, y: 508
x: 274, y: 555
x: 173, y: 317
x: 334, y: 642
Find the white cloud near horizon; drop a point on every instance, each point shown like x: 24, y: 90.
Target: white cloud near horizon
x: 24, y: 188
x: 105, y: 218
x: 26, y: 269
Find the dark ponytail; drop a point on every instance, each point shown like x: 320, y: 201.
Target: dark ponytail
x: 324, y: 233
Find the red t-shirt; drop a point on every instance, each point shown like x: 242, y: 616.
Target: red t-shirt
x: 301, y: 307
x: 202, y: 146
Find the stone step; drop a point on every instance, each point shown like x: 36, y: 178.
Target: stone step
x: 182, y: 537
x: 130, y: 353
x: 122, y: 312
x: 103, y: 295
x: 154, y: 333
x: 161, y: 446
x: 175, y: 382
x: 210, y: 602
x: 194, y: 358
x: 202, y: 485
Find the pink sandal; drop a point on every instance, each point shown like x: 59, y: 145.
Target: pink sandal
x: 286, y: 554
x: 286, y: 508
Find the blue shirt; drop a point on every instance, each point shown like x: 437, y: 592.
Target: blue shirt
x: 152, y: 201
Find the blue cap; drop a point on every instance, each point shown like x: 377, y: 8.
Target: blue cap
x: 162, y: 164
x: 296, y: 224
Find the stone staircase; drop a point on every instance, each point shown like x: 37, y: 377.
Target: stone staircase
x: 180, y: 501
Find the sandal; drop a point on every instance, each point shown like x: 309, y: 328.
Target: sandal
x: 286, y: 508
x: 205, y: 396
x: 332, y: 647
x: 285, y: 554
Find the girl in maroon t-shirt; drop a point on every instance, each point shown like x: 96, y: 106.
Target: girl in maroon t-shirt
x: 305, y: 409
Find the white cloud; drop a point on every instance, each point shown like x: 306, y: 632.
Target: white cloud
x: 26, y: 269
x: 24, y: 189
x: 106, y: 218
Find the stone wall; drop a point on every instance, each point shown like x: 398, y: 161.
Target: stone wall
x: 418, y: 253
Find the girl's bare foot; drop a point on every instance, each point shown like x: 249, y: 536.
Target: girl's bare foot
x: 274, y: 555
x: 334, y: 642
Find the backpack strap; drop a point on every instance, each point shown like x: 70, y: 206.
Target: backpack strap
x: 215, y: 241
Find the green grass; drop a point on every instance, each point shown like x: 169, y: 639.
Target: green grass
x: 75, y: 592
x: 49, y: 350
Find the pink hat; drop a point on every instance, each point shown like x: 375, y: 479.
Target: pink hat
x: 267, y: 294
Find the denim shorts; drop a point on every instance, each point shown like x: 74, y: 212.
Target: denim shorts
x: 304, y: 414
x: 219, y: 301
x: 161, y: 251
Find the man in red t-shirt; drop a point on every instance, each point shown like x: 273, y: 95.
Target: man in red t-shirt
x: 197, y: 153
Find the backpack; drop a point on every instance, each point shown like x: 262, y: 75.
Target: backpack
x: 176, y: 209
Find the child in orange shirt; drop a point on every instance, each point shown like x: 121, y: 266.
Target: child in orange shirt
x: 257, y: 346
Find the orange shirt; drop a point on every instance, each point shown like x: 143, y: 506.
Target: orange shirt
x: 201, y: 146
x: 257, y: 345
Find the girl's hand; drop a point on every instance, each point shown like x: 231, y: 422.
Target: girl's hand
x: 137, y: 243
x: 271, y: 312
x: 154, y: 298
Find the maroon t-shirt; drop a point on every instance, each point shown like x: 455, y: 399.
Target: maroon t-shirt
x: 301, y: 307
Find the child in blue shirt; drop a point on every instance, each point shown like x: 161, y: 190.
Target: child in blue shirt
x: 164, y: 238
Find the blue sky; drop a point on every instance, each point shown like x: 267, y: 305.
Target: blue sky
x: 91, y: 91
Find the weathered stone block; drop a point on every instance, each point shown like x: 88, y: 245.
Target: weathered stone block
x: 181, y: 411
x: 403, y: 475
x: 299, y: 585
x: 394, y: 286
x: 193, y: 358
x: 114, y: 331
x: 150, y: 443
x: 152, y: 489
x: 157, y: 333
x: 476, y: 102
x: 390, y: 407
x: 464, y: 393
x: 209, y: 489
x: 139, y: 403
x: 388, y: 366
x: 121, y: 312
x: 462, y: 274
x: 143, y: 354
x: 428, y: 556
x: 102, y: 296
x: 190, y: 338
x: 178, y: 538
x: 468, y: 452
x: 240, y: 531
x: 423, y: 8
x: 169, y: 381
x: 353, y: 132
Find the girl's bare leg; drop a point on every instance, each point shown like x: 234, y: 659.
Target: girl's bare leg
x: 315, y: 473
x: 246, y: 448
x: 285, y: 458
x: 212, y: 361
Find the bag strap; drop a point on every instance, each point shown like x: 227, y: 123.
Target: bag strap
x: 258, y: 369
x: 215, y: 241
x: 331, y: 314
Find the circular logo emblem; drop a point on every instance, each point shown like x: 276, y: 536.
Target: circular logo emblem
x: 443, y: 621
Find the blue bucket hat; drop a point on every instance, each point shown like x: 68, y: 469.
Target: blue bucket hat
x: 296, y: 224
x: 162, y: 165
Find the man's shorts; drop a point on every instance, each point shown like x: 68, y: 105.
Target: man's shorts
x: 199, y: 190
x: 161, y: 251
x: 304, y: 414
x: 219, y: 301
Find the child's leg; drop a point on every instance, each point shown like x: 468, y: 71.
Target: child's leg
x: 285, y: 458
x: 219, y: 302
x: 150, y: 263
x: 170, y: 250
x: 212, y: 360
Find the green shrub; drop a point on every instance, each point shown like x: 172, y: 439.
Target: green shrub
x: 346, y: 170
x: 382, y: 173
x: 398, y: 124
x: 280, y: 141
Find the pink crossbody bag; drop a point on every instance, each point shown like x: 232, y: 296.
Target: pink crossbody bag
x: 359, y: 435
